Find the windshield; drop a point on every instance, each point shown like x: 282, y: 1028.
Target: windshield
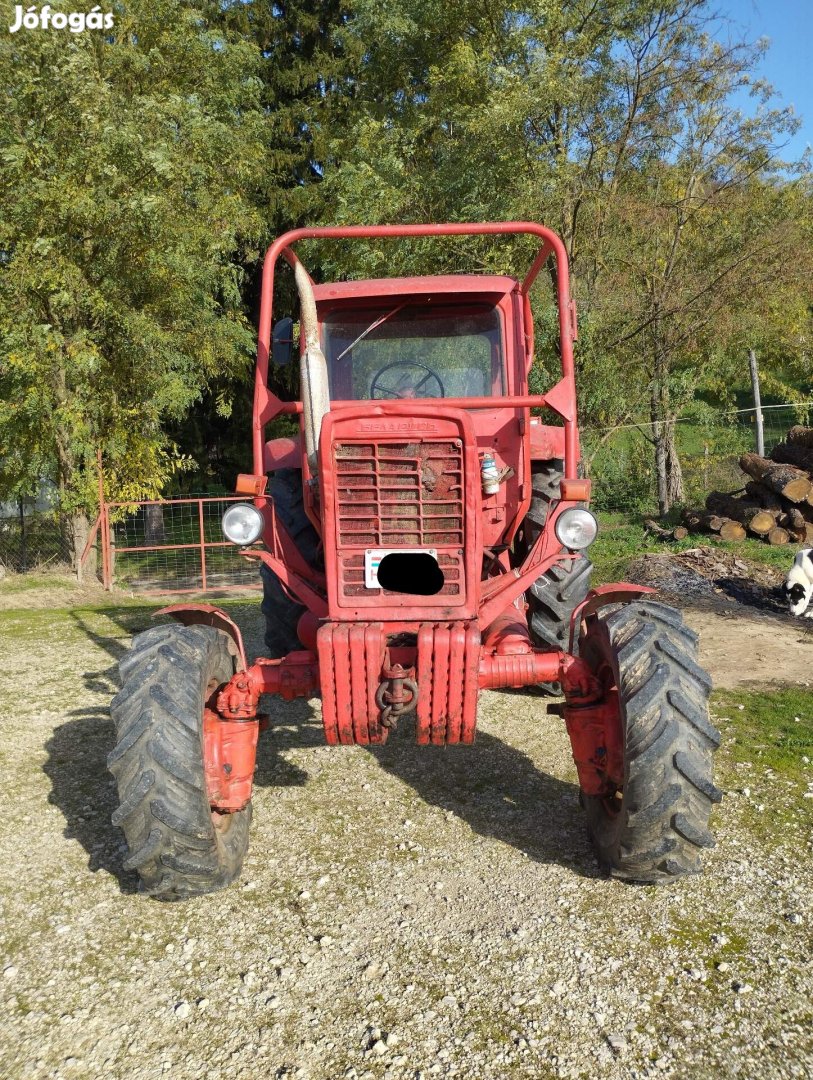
x: 408, y: 350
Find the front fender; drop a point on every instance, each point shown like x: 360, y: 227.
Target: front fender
x: 208, y: 615
x: 619, y: 592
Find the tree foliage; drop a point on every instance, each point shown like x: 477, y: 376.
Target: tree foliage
x: 125, y: 160
x: 614, y: 122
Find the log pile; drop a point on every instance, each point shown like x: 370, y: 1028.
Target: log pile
x: 776, y: 504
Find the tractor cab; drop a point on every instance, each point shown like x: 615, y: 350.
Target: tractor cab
x: 419, y: 338
x: 446, y: 343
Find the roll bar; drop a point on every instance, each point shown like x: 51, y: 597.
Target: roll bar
x: 561, y: 398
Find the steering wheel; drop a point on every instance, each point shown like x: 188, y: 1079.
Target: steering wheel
x: 404, y: 385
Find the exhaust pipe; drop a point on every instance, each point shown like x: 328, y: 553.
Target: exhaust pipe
x: 313, y: 368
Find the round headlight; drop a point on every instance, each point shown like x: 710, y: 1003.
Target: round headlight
x: 576, y: 529
x: 242, y: 524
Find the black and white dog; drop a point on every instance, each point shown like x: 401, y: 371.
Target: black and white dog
x: 798, y: 587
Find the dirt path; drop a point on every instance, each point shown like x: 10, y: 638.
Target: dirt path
x: 403, y: 914
x: 742, y: 649
x: 747, y: 636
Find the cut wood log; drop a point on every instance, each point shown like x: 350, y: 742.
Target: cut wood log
x: 785, y: 480
x: 777, y: 537
x: 703, y: 521
x: 760, y: 522
x: 732, y: 530
x: 793, y: 454
x: 764, y: 496
x: 793, y: 519
x: 804, y: 508
x: 676, y: 532
x: 795, y: 525
x: 802, y: 436
x: 756, y: 520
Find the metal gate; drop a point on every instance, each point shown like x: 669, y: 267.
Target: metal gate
x: 161, y: 546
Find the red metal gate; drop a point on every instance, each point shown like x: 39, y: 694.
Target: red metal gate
x: 161, y: 546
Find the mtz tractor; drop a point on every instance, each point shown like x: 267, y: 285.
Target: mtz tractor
x: 424, y: 537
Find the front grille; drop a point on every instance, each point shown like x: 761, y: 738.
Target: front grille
x: 399, y: 494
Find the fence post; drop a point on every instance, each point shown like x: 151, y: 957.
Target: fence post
x: 104, y: 528
x: 705, y: 466
x: 752, y: 363
x: 202, y: 545
x: 23, y: 545
x: 107, y: 577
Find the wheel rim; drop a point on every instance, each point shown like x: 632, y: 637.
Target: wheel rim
x: 612, y: 802
x: 221, y: 821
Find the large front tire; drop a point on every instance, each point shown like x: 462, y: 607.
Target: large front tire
x: 178, y: 845
x: 654, y: 829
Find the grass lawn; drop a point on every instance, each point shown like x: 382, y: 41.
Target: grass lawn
x: 772, y: 727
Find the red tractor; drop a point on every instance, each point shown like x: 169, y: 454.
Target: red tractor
x: 423, y: 538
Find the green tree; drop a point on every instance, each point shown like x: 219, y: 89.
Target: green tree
x: 307, y: 63
x: 698, y: 229
x: 614, y: 123
x: 125, y: 162
x: 774, y: 316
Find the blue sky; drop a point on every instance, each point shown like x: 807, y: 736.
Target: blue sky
x: 788, y: 64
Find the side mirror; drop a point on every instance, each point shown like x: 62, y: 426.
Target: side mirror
x: 282, y: 342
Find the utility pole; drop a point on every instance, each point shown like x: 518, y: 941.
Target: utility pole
x: 752, y: 363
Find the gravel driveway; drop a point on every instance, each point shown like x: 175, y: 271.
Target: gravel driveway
x: 403, y: 913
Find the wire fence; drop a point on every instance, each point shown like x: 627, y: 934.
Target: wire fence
x: 175, y: 546
x: 621, y: 460
x: 161, y: 546
x: 32, y: 539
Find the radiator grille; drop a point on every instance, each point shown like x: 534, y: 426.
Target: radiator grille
x: 400, y: 494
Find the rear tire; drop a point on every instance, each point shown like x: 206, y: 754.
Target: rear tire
x: 654, y: 830
x: 178, y: 846
x: 282, y: 613
x: 546, y: 477
x: 552, y: 599
x: 555, y: 594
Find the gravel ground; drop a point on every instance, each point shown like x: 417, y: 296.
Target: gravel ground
x: 403, y: 913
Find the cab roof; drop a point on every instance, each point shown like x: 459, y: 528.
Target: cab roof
x: 492, y: 284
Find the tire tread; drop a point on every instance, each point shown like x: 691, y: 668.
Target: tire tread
x: 281, y: 611
x: 158, y: 764
x: 662, y: 825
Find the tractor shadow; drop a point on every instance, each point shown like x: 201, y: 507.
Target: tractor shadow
x: 499, y: 792
x: 85, y: 793
x: 76, y: 763
x: 496, y: 789
x: 294, y: 726
x: 105, y: 680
